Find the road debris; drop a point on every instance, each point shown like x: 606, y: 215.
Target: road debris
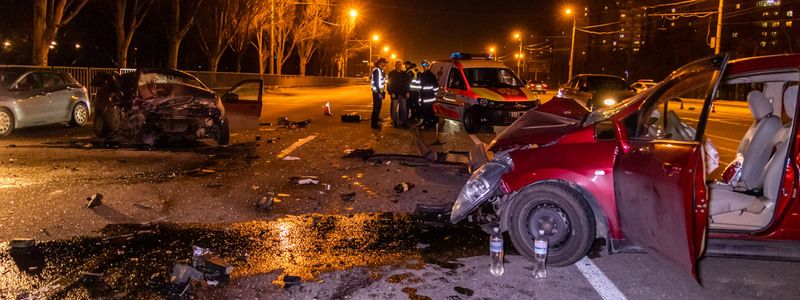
x: 265, y: 203
x: 94, y: 200
x: 353, y: 117
x: 291, y: 158
x: 283, y: 121
x: 290, y: 281
x: 403, y: 187
x: 305, y: 180
x: 22, y: 243
x: 91, y: 276
x: 326, y: 109
x: 348, y: 197
x: 183, y: 273
x: 139, y: 205
x: 362, y: 153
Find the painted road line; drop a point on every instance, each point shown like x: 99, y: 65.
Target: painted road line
x: 296, y: 145
x: 475, y: 139
x: 604, y: 286
x: 724, y: 138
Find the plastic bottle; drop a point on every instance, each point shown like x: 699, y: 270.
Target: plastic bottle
x: 540, y: 246
x: 496, y: 253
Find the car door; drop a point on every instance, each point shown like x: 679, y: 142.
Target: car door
x: 58, y: 96
x: 243, y: 105
x: 660, y: 190
x: 31, y: 100
x: 451, y: 104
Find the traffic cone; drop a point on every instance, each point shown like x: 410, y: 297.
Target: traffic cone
x: 326, y: 109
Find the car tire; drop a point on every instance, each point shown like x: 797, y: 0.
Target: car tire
x: 570, y: 218
x: 224, y: 137
x: 6, y: 122
x: 472, y: 122
x: 80, y: 115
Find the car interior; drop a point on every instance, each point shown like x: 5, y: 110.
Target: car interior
x: 744, y: 196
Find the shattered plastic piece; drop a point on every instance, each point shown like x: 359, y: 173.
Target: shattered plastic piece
x: 353, y: 117
x: 305, y: 180
x: 290, y: 281
x: 361, y: 153
x: 183, y: 273
x: 197, y: 255
x: 265, y: 203
x: 348, y: 197
x: 11, y: 160
x: 291, y: 158
x: 217, y: 266
x: 22, y: 243
x: 212, y: 283
x: 283, y: 195
x: 403, y: 187
x: 94, y: 200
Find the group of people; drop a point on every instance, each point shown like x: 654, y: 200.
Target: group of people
x: 412, y: 93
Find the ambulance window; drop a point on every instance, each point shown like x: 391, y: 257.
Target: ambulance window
x: 455, y: 80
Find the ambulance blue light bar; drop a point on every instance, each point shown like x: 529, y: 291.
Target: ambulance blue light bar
x: 459, y: 55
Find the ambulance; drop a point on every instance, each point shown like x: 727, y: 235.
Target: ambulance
x: 478, y: 91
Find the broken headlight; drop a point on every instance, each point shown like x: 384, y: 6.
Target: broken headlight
x: 480, y: 186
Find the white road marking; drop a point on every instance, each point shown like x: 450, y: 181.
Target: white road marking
x: 724, y: 138
x: 475, y: 139
x: 296, y: 145
x: 604, y: 286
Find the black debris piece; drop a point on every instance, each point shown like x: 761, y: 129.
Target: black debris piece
x: 353, y: 117
x: 363, y: 153
x: 215, y: 267
x: 283, y: 121
x: 23, y: 243
x: 403, y: 187
x: 433, y: 213
x: 265, y: 203
x: 348, y: 197
x: 290, y: 281
x: 142, y: 206
x: 94, y: 200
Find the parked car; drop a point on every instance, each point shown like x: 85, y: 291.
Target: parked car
x: 642, y: 85
x: 537, y: 87
x: 151, y: 105
x: 596, y: 90
x: 31, y: 96
x: 479, y: 92
x: 637, y: 175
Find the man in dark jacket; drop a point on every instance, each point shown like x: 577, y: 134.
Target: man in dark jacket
x: 413, y: 101
x: 378, y: 82
x: 399, y: 85
x: 429, y: 85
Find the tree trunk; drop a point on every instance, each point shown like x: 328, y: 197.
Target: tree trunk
x: 239, y: 56
x: 40, y: 46
x: 174, y: 47
x: 303, y: 65
x: 213, y: 61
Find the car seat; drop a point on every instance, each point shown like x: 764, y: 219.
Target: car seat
x: 760, y: 142
x: 773, y: 173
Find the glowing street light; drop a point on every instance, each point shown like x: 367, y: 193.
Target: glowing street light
x: 353, y: 13
x: 394, y: 56
x: 491, y: 52
x: 77, y: 46
x: 568, y: 11
x: 7, y: 44
x: 385, y: 49
x: 376, y: 38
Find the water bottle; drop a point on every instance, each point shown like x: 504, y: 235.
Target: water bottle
x: 540, y: 251
x: 496, y: 252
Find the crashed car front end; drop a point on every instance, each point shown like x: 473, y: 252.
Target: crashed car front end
x: 484, y: 184
x: 193, y: 117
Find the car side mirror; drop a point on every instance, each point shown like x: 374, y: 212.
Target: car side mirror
x: 230, y: 97
x: 610, y: 130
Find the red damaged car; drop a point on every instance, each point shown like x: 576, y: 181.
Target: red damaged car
x: 645, y: 175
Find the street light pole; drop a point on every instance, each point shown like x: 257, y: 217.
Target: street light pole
x: 572, y: 48
x: 718, y: 39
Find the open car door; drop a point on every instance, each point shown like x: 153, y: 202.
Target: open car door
x: 659, y: 175
x: 243, y: 104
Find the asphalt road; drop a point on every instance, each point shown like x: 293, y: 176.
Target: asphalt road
x: 47, y: 172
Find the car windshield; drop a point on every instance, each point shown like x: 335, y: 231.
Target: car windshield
x: 595, y: 83
x: 161, y: 78
x: 492, y: 77
x: 7, y: 77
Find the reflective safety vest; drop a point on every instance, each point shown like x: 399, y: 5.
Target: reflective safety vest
x: 378, y: 80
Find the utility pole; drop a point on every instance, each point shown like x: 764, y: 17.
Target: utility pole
x: 272, y: 36
x: 572, y: 48
x: 718, y: 38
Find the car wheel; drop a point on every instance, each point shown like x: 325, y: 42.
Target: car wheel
x: 558, y: 212
x: 80, y: 115
x: 472, y: 122
x: 6, y: 122
x: 99, y: 126
x: 224, y: 137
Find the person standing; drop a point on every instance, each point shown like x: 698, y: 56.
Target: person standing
x: 429, y: 85
x: 399, y: 82
x: 413, y: 101
x: 378, y: 82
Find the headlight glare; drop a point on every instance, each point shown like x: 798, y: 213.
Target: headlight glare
x: 609, y: 101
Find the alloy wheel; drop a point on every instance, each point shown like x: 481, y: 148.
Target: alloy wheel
x: 5, y: 122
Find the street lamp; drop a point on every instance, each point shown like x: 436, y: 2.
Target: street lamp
x: 385, y: 50
x: 394, y: 56
x: 518, y: 37
x: 569, y: 13
x: 375, y: 39
x: 491, y: 52
x: 77, y: 46
x: 353, y: 14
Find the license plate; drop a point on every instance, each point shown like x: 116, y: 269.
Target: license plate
x: 516, y: 114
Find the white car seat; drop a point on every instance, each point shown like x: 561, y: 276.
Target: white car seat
x: 773, y: 174
x: 760, y: 139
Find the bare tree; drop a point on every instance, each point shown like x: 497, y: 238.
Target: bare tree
x: 48, y: 17
x: 261, y: 24
x: 311, y: 30
x: 245, y: 32
x: 283, y: 25
x: 178, y: 19
x: 221, y: 20
x: 128, y: 15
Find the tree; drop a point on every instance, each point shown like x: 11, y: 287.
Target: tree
x: 48, y: 17
x: 311, y: 30
x: 128, y: 15
x: 178, y: 18
x: 244, y: 34
x: 283, y: 25
x: 221, y: 20
x: 261, y: 22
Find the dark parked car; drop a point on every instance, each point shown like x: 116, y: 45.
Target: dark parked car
x: 596, y: 90
x: 147, y: 106
x: 646, y: 184
x: 31, y: 96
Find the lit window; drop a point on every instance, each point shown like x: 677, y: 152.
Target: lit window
x: 586, y: 8
x: 763, y: 33
x: 766, y: 13
x: 788, y: 23
x: 789, y: 13
x: 775, y: 13
x: 622, y: 36
x: 738, y: 6
x: 764, y: 24
x: 774, y: 43
x: 606, y: 8
x: 635, y: 49
x: 672, y: 24
x: 763, y: 44
x: 622, y: 15
x: 636, y: 42
x: 735, y: 34
x: 774, y: 33
x: 776, y: 24
x: 615, y: 43
x: 604, y: 41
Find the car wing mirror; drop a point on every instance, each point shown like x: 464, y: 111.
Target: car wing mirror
x: 611, y: 130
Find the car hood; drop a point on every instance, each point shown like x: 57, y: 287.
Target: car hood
x: 542, y: 125
x: 504, y: 93
x: 613, y: 94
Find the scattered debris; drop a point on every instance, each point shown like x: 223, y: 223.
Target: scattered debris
x: 11, y: 160
x: 290, y: 281
x: 265, y: 124
x: 403, y: 187
x: 265, y: 203
x: 22, y: 243
x: 183, y: 273
x: 94, y: 200
x: 422, y: 246
x: 258, y: 137
x: 215, y: 185
x: 326, y: 109
x: 283, y: 195
x: 283, y: 121
x: 291, y: 158
x: 348, y: 197
x: 303, y: 180
x: 353, y: 117
x: 215, y: 267
x: 363, y: 153
x: 433, y: 213
x: 91, y: 276
x: 139, y: 205
x: 327, y: 186
x: 212, y: 283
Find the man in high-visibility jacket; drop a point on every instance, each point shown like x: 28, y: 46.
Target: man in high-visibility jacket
x: 378, y: 82
x: 428, y: 87
x: 413, y: 99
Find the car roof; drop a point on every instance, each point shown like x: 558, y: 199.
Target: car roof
x: 480, y: 63
x: 750, y: 64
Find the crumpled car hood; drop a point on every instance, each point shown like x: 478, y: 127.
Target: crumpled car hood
x: 542, y: 125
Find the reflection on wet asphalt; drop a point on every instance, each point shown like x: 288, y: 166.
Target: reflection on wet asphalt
x: 136, y: 261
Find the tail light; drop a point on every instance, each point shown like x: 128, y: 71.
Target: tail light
x: 544, y: 85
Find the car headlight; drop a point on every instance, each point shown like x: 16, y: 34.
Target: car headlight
x: 480, y: 187
x: 609, y: 102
